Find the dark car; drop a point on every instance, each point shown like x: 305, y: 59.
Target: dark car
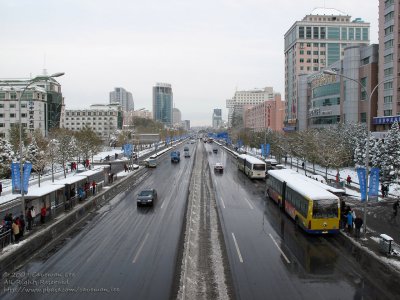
x: 147, y: 197
x: 215, y: 150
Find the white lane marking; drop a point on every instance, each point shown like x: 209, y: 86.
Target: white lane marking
x: 251, y: 206
x: 223, y: 203
x: 280, y: 250
x: 237, y: 248
x: 162, y: 205
x: 140, y: 249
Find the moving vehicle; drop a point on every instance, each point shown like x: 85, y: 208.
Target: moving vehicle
x: 312, y: 207
x: 219, y: 168
x: 151, y: 162
x: 251, y: 166
x: 186, y: 151
x: 147, y: 197
x: 215, y: 150
x: 175, y: 156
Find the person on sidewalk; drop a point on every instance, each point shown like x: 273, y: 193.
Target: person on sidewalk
x: 29, y: 218
x: 348, y: 179
x: 358, y: 222
x: 15, y: 231
x: 21, y: 225
x: 33, y: 214
x: 94, y: 187
x: 43, y: 213
x: 350, y: 221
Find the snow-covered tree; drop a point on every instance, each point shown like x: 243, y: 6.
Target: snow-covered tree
x: 37, y: 154
x: 88, y: 143
x: 390, y: 158
x: 6, y: 157
x: 65, y: 147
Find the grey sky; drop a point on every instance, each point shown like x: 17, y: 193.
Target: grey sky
x: 205, y: 49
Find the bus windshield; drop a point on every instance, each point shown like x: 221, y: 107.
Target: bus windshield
x: 259, y: 167
x: 325, y: 209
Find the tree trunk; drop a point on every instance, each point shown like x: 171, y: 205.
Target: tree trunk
x: 326, y: 172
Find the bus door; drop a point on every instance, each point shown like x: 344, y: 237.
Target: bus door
x: 283, y: 195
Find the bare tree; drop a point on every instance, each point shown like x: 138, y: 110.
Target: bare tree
x: 37, y: 153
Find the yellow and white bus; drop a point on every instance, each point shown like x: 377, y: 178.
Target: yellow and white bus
x: 312, y: 207
x: 251, y: 166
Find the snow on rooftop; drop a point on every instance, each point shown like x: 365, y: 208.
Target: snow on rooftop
x: 36, y: 191
x: 320, y: 11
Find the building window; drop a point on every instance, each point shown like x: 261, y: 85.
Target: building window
x: 2, y: 125
x: 389, y: 44
x: 365, y: 61
x: 315, y: 68
x: 351, y: 34
x: 308, y: 32
x: 315, y: 60
x: 322, y: 52
x: 316, y: 33
x: 308, y: 52
x: 23, y: 115
x: 358, y: 34
x: 301, y: 68
x: 301, y: 52
x: 389, y: 16
x: 322, y: 33
x: 344, y: 34
x: 388, y: 3
x: 388, y: 58
x: 301, y: 60
x: 388, y: 99
x: 1, y: 105
x: 301, y: 32
x: 315, y: 52
x: 388, y: 30
x: 316, y: 45
x: 334, y: 33
x: 309, y: 60
x: 12, y: 115
x: 387, y: 112
x: 308, y: 44
x: 1, y: 115
x: 12, y: 105
x: 388, y: 72
x: 388, y: 85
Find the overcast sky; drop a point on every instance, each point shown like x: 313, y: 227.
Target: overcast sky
x: 206, y: 49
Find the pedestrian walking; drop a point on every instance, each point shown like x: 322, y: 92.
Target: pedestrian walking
x: 125, y: 167
x: 337, y: 177
x: 29, y: 218
x: 302, y: 164
x: 21, y: 225
x: 15, y: 230
x: 358, y: 222
x: 349, y: 221
x: 1, y: 188
x: 43, y: 213
x: 94, y: 187
x: 348, y: 179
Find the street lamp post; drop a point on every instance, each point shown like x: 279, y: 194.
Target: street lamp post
x: 332, y: 72
x: 21, y: 166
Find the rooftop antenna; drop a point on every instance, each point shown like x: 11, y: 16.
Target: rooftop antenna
x: 44, y: 65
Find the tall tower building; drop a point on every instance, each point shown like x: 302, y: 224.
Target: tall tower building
x: 163, y: 103
x: 123, y: 97
x: 389, y: 64
x: 217, y: 118
x: 314, y: 43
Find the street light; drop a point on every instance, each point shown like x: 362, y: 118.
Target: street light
x: 30, y: 82
x: 332, y: 72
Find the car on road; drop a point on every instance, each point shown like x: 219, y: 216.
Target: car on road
x: 219, y: 168
x: 147, y: 197
x: 215, y: 150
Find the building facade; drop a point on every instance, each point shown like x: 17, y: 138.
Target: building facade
x: 312, y: 44
x: 163, y: 103
x: 41, y: 105
x: 332, y: 99
x: 389, y: 60
x: 104, y: 119
x: 176, y: 116
x: 186, y: 124
x: 242, y: 98
x: 266, y: 115
x: 217, y: 118
x: 123, y: 97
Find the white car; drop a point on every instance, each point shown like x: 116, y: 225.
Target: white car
x: 219, y: 167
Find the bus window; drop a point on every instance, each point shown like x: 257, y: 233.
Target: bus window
x: 258, y: 167
x: 325, y: 209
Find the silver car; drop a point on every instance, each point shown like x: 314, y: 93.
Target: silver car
x: 146, y: 197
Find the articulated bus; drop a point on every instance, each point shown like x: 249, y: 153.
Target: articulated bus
x: 312, y: 207
x: 251, y: 166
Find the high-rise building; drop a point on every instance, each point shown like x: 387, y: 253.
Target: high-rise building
x: 176, y: 116
x: 314, y: 43
x: 186, y: 124
x: 163, y: 103
x: 389, y: 65
x: 41, y: 105
x: 123, y: 97
x: 217, y: 118
x: 241, y: 98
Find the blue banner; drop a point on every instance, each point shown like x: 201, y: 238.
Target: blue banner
x: 362, y: 178
x: 262, y: 150
x: 373, y: 191
x: 27, y: 174
x: 267, y: 149
x: 127, y: 149
x: 15, y: 178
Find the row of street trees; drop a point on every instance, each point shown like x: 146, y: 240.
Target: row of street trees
x: 332, y: 148
x: 60, y: 147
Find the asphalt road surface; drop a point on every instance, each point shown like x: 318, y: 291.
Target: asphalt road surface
x: 270, y: 258
x: 124, y: 252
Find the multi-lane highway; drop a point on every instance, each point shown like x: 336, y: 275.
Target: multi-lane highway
x: 130, y: 253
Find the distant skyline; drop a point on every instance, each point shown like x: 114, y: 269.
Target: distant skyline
x: 204, y: 49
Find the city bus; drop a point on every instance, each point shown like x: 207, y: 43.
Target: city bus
x: 312, y: 207
x: 251, y: 166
